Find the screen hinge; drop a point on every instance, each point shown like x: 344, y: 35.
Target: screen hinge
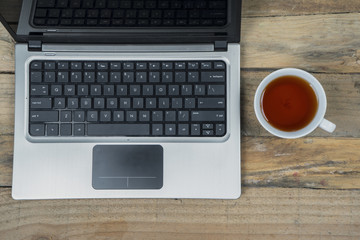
x: 220, y: 46
x: 35, y: 45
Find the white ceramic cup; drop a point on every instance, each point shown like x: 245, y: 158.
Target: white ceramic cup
x: 318, y: 120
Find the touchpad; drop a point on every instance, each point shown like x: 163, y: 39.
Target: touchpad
x: 127, y: 167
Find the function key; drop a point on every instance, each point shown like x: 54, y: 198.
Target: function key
x: 89, y: 66
x: 206, y: 65
x: 167, y: 65
x: 49, y: 65
x: 128, y: 66
x: 179, y: 65
x: 115, y: 65
x: 193, y: 65
x: 219, y: 65
x: 76, y: 65
x: 102, y: 65
x: 141, y: 66
x: 154, y: 66
x: 36, y: 65
x: 63, y: 65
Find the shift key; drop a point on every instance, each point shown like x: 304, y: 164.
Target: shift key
x: 44, y: 116
x: 209, y: 116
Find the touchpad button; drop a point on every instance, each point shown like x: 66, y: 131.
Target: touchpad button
x: 127, y: 167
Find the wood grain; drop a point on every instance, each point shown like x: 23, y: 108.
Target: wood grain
x: 318, y: 43
x: 258, y: 215
x: 256, y: 8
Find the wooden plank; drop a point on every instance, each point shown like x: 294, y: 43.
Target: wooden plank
x: 253, y: 8
x: 318, y: 43
x: 258, y: 215
x: 302, y: 163
x: 7, y: 51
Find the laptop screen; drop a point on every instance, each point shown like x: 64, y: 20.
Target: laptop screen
x: 86, y: 20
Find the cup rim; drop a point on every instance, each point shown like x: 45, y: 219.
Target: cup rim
x: 318, y: 89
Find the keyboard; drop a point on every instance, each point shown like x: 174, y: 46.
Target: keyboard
x: 132, y: 98
x: 130, y: 13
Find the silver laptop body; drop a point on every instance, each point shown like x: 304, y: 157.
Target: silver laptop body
x: 63, y: 167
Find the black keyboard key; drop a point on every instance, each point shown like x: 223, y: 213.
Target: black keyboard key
x: 39, y: 90
x: 92, y: 116
x: 157, y: 129
x: 118, y: 116
x: 65, y: 129
x: 44, y: 116
x: 193, y: 77
x: 99, y: 103
x: 73, y: 103
x: 105, y: 116
x: 170, y: 129
x: 131, y: 116
x: 56, y: 90
x: 89, y: 77
x: 206, y: 65
x: 79, y: 129
x: 59, y: 103
x: 49, y: 77
x: 213, y: 77
x: 63, y: 65
x: 208, y: 116
x: 63, y: 77
x: 170, y: 116
x: 214, y: 90
x: 36, y: 66
x: 118, y: 129
x: 183, y: 129
x: 40, y: 103
x: 219, y: 65
x: 49, y: 65
x: 36, y: 77
x: 76, y: 77
x: 89, y: 65
x: 141, y: 77
x: 195, y: 129
x: 37, y: 129
x: 41, y: 13
x: 69, y: 90
x: 45, y: 3
x: 115, y: 65
x: 220, y: 129
x: 85, y: 103
x: 211, y: 102
x: 128, y: 77
x: 65, y: 116
x: 125, y: 103
x: 79, y: 116
x: 52, y: 129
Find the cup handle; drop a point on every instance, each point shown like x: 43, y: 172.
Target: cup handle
x: 327, y: 126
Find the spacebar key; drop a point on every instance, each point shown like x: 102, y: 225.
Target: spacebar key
x: 118, y: 130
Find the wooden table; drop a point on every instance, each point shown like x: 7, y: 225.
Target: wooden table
x: 292, y: 189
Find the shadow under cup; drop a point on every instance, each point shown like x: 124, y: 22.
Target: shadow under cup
x: 291, y: 103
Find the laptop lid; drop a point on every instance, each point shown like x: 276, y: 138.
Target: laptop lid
x: 122, y: 21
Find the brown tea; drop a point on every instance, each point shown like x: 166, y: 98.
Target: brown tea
x: 289, y: 103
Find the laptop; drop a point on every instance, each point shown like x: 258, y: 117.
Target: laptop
x: 126, y: 99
